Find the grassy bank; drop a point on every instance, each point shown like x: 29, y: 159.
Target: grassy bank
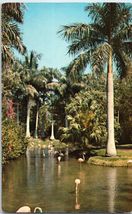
x: 45, y: 143
x: 123, y: 158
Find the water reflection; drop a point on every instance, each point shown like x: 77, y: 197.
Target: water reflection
x: 112, y: 180
x: 39, y: 181
x: 59, y: 170
x: 28, y: 156
x: 77, y: 204
x: 77, y: 183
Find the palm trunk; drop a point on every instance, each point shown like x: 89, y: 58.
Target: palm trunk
x: 36, y: 124
x: 28, y: 119
x: 111, y: 149
x: 43, y: 133
x: 52, y: 131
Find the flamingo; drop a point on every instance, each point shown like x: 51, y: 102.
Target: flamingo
x: 59, y: 159
x: 44, y: 154
x: 37, y: 209
x: 80, y: 160
x: 27, y: 209
x: 24, y: 209
x: 77, y: 182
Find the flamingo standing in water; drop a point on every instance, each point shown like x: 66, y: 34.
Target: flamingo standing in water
x: 59, y: 159
x: 24, y: 209
x: 27, y: 209
x: 80, y: 160
x: 37, y: 209
x: 77, y: 182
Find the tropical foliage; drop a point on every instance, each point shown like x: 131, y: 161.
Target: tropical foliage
x: 13, y: 138
x: 125, y: 110
x: 87, y: 116
x: 12, y: 16
x: 32, y: 98
x: 106, y: 39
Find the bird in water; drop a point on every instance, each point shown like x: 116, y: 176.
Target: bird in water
x: 59, y: 159
x: 77, y: 182
x: 44, y: 154
x: 81, y: 160
x: 38, y: 210
x: 24, y: 209
x: 27, y: 209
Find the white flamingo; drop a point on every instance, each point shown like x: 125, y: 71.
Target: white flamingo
x: 44, y: 154
x: 77, y: 182
x: 80, y: 160
x: 59, y: 159
x: 37, y: 209
x: 24, y: 209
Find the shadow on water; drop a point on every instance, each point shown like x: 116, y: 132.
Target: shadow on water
x: 37, y: 181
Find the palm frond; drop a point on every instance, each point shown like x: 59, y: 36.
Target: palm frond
x: 77, y: 66
x: 95, y: 11
x: 14, y: 11
x: 77, y: 30
x: 53, y: 85
x: 110, y: 27
x: 124, y: 34
x: 31, y: 91
x: 100, y: 56
x: 123, y: 63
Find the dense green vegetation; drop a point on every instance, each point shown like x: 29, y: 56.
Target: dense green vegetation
x: 32, y: 98
x: 106, y: 39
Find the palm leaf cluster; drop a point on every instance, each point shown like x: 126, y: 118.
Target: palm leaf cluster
x: 12, y: 17
x: 110, y: 29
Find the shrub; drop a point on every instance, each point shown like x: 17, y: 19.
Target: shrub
x: 13, y: 140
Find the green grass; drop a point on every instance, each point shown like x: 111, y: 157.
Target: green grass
x: 107, y: 161
x: 120, y: 152
x: 124, y: 154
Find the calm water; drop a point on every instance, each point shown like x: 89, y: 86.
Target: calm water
x: 35, y: 181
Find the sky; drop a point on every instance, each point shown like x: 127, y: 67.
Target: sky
x: 42, y: 21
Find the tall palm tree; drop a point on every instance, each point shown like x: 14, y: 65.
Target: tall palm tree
x: 29, y: 75
x: 12, y: 15
x: 31, y: 94
x: 107, y: 38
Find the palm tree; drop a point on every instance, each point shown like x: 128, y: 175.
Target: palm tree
x: 12, y: 15
x: 29, y: 75
x: 106, y: 39
x: 31, y: 93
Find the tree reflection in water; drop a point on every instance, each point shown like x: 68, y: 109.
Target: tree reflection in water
x: 111, y: 179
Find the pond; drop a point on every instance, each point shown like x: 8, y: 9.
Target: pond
x: 41, y: 182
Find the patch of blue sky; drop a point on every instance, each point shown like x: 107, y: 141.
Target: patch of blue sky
x: 42, y: 21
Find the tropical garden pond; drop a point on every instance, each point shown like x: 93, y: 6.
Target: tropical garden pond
x: 80, y: 101
x: 41, y: 182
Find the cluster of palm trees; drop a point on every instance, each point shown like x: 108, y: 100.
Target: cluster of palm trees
x: 105, y: 41
x: 34, y: 86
